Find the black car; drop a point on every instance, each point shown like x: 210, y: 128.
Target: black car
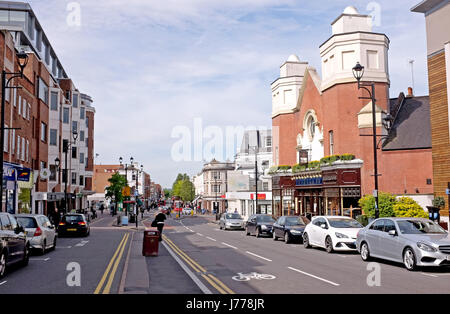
x: 14, y: 247
x: 259, y: 225
x: 73, y: 224
x: 290, y: 228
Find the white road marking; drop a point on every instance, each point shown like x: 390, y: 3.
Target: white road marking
x: 258, y: 256
x: 430, y: 275
x: 200, y: 234
x: 40, y: 259
x: 82, y: 243
x: 212, y: 239
x: 233, y: 247
x: 310, y: 275
x: 2, y: 283
x: 64, y: 247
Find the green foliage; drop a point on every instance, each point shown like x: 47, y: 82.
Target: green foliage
x: 386, y: 203
x: 347, y: 157
x: 329, y: 159
x: 439, y: 202
x: 298, y: 168
x: 407, y: 207
x: 363, y: 220
x: 24, y: 201
x: 168, y: 193
x: 116, y: 184
x: 183, y: 188
x: 284, y: 167
x: 314, y: 165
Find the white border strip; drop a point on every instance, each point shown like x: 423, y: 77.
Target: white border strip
x: 211, y: 239
x: 269, y: 260
x: 2, y: 283
x: 187, y: 270
x: 233, y: 247
x: 324, y: 280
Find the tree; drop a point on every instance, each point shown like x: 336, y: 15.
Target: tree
x: 116, y: 185
x: 183, y: 188
x: 386, y: 203
x: 167, y: 193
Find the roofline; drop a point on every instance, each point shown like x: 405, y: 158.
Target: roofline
x: 428, y: 6
x: 402, y: 149
x: 350, y: 33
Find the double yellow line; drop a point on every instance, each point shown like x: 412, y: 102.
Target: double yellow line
x: 112, y: 266
x: 212, y: 280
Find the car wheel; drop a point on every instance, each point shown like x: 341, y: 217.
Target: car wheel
x: 409, y: 259
x: 2, y: 264
x: 26, y: 256
x: 286, y: 238
x: 365, y: 253
x: 220, y: 227
x: 329, y: 245
x: 306, y: 241
x: 275, y: 238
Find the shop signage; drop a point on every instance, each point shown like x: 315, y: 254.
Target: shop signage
x: 10, y: 171
x: 309, y: 181
x: 260, y: 196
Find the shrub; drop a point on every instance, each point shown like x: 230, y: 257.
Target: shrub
x: 329, y: 159
x: 347, y: 157
x: 439, y: 202
x: 407, y: 207
x: 298, y: 168
x: 284, y: 167
x: 273, y: 169
x: 386, y: 203
x: 314, y: 164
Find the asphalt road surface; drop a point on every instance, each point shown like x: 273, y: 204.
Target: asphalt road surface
x: 231, y: 262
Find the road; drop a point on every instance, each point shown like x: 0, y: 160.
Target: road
x: 216, y: 256
x: 196, y: 257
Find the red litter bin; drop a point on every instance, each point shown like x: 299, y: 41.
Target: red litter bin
x: 150, y: 244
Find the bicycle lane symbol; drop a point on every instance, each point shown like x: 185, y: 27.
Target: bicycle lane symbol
x: 254, y: 275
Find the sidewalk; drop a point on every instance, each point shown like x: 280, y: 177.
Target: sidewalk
x: 153, y: 275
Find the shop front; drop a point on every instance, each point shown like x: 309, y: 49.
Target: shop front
x: 283, y: 190
x: 17, y: 182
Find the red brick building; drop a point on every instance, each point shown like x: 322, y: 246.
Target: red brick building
x: 316, y: 116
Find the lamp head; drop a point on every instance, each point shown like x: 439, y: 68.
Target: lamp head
x: 75, y: 135
x: 358, y: 72
x: 57, y: 162
x: 121, y: 161
x: 22, y: 59
x: 132, y: 160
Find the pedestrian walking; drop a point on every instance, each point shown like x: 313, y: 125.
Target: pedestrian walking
x: 159, y: 223
x: 56, y: 217
x: 102, y: 208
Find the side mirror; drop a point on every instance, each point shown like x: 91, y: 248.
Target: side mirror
x: 393, y: 233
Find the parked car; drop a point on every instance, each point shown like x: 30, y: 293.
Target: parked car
x: 187, y: 211
x: 290, y: 228
x: 73, y: 224
x: 411, y: 241
x: 14, y: 246
x: 259, y: 225
x: 333, y: 233
x: 41, y: 233
x: 231, y: 221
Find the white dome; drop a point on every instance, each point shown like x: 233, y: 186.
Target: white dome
x: 293, y: 58
x: 351, y: 10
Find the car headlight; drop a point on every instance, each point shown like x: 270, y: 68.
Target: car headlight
x: 426, y: 247
x: 341, y: 236
x: 295, y: 231
x: 263, y: 227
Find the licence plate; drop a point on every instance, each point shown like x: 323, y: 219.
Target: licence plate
x: 71, y: 229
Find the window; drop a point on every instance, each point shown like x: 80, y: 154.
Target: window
x: 28, y: 151
x: 87, y: 122
x: 53, y: 171
x: 75, y: 100
x: 74, y: 178
x: 74, y: 126
x: 81, y: 180
x: 66, y: 114
x: 331, y: 143
x: 43, y: 165
x: 82, y: 136
x: 43, y: 91
x: 378, y: 225
x: 53, y: 137
x: 29, y: 112
x: 43, y: 132
x: 269, y: 141
x: 265, y: 186
x: 6, y: 144
x: 54, y: 101
x: 82, y: 113
x: 81, y: 158
x: 22, y: 157
x: 74, y: 152
x: 311, y: 127
x: 18, y: 146
x: 5, y: 223
x: 13, y: 141
x: 216, y: 188
x: 389, y: 225
x: 24, y: 109
x: 19, y: 108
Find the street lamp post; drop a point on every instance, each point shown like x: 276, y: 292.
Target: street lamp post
x: 256, y: 150
x: 22, y: 58
x: 66, y: 147
x: 358, y: 73
x: 138, y: 171
x: 126, y: 176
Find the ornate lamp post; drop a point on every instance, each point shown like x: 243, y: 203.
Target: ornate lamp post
x: 66, y: 146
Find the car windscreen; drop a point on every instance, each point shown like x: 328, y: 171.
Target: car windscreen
x: 294, y: 221
x: 344, y: 223
x: 419, y: 227
x: 27, y: 222
x: 73, y: 218
x: 233, y: 216
x: 265, y: 219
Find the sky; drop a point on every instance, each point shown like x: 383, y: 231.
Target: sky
x: 157, y: 66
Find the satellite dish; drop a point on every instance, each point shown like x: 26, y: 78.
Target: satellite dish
x: 45, y: 173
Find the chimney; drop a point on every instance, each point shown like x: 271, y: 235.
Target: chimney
x: 410, y: 92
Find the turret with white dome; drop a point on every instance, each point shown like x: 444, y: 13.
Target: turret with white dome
x: 286, y: 89
x: 354, y: 41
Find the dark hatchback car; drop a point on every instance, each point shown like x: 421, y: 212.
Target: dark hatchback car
x: 259, y: 225
x: 73, y: 225
x: 290, y: 228
x: 14, y: 247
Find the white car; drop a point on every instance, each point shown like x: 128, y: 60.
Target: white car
x: 333, y: 233
x: 187, y: 211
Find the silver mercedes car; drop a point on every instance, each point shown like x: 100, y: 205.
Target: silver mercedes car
x: 411, y: 241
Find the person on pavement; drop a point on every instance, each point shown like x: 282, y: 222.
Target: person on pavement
x: 159, y: 220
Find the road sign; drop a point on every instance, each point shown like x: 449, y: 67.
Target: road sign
x: 126, y: 191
